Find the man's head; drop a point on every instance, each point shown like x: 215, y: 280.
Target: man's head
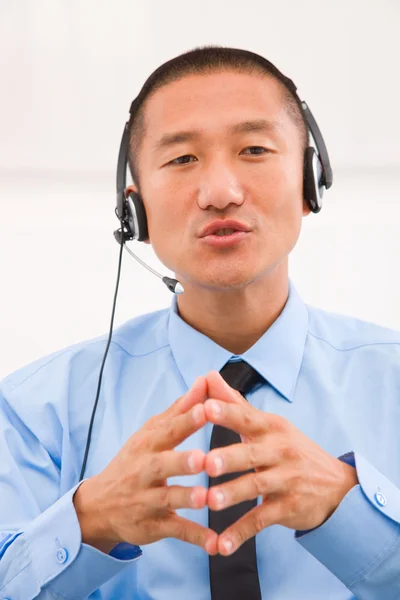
x: 217, y: 134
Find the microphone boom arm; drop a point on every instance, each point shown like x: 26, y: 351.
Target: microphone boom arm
x: 173, y: 285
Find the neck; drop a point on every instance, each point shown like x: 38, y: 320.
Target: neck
x: 235, y: 319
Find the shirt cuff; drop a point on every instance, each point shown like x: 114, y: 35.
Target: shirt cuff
x: 362, y: 531
x: 55, y: 543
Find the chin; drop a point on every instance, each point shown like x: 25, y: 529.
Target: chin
x: 221, y: 279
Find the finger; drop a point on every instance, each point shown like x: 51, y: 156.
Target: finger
x: 254, y: 521
x: 191, y: 532
x: 242, y: 418
x: 241, y: 457
x: 197, y: 394
x: 170, y: 463
x: 246, y: 487
x: 172, y: 497
x: 218, y: 388
x: 172, y: 432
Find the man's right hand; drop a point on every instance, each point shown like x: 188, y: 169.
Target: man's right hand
x: 130, y: 501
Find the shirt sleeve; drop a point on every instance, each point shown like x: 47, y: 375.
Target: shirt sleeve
x: 41, y: 550
x: 360, y: 542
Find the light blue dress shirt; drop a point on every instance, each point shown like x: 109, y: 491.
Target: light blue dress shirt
x: 335, y: 378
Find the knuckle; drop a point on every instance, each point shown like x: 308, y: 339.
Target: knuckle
x: 247, y: 420
x: 176, y: 430
x: 184, y: 467
x: 278, y: 424
x: 276, y: 453
x: 188, y: 534
x: 291, y: 452
x: 183, y: 533
x: 164, y: 497
x: 152, y: 528
x: 152, y: 422
x: 197, y: 538
x: 260, y: 484
x: 240, y: 536
x: 297, y: 482
x: 169, y: 428
x: 157, y: 466
x: 259, y: 522
x: 252, y: 455
x: 138, y: 442
x: 294, y: 504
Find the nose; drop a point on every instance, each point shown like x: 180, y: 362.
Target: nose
x: 219, y: 187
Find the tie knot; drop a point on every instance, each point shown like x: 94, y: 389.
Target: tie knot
x: 241, y: 376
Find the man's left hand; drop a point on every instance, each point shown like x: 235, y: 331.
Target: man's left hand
x: 301, y: 484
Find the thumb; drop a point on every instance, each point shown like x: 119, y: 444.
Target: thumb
x: 220, y: 390
x: 197, y: 394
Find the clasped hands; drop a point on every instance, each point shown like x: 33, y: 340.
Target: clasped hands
x: 130, y: 500
x: 301, y: 485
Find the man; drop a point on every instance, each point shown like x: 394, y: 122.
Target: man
x: 217, y: 153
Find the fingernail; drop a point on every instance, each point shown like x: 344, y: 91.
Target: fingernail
x: 215, y: 407
x: 220, y: 498
x: 218, y: 464
x: 197, y: 412
x: 191, y: 463
x: 193, y: 498
x: 228, y: 545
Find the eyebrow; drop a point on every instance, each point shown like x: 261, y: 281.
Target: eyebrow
x: 179, y: 137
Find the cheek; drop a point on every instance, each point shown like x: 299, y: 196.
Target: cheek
x: 282, y: 209
x: 167, y: 225
x: 167, y: 219
x: 282, y: 190
x: 163, y: 202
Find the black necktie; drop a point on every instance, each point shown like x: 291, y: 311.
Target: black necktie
x: 233, y: 577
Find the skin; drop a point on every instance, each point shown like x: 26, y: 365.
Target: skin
x: 130, y: 501
x: 224, y: 180
x: 300, y: 483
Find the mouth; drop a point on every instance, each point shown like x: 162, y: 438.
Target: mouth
x: 224, y: 233
x: 223, y: 227
x: 221, y: 232
x: 224, y: 238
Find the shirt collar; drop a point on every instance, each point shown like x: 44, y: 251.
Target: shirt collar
x: 277, y: 355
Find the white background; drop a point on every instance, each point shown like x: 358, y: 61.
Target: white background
x: 68, y: 72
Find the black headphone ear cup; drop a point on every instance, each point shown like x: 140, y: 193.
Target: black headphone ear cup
x: 313, y: 188
x: 136, y: 217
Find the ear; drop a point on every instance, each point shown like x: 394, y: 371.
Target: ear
x: 131, y: 188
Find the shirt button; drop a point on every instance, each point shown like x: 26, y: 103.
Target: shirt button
x: 381, y: 499
x: 62, y: 555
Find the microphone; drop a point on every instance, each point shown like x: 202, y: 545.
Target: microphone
x: 173, y: 285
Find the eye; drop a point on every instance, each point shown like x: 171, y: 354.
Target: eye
x: 181, y: 161
x: 258, y: 150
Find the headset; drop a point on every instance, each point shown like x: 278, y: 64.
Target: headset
x: 130, y: 210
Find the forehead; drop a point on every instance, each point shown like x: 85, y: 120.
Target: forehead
x: 211, y: 100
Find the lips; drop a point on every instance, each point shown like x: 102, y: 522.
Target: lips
x: 222, y: 224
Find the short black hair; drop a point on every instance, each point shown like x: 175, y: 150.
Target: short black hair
x: 202, y: 60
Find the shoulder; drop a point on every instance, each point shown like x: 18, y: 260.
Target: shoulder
x: 345, y: 333
x: 142, y: 335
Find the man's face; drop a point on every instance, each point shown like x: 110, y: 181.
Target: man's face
x: 252, y: 174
